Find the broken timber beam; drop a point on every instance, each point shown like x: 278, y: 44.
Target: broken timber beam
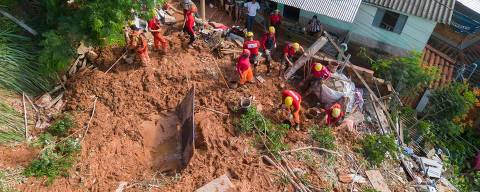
x: 314, y: 48
x: 18, y: 22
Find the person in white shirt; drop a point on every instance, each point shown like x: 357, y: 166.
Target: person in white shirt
x: 252, y: 8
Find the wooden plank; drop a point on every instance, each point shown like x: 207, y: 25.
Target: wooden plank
x: 382, y: 120
x: 377, y: 180
x: 314, y: 48
x: 18, y: 22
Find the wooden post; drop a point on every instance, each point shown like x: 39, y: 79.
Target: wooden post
x: 314, y: 48
x: 202, y: 7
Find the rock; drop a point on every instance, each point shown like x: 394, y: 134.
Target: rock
x: 44, y: 100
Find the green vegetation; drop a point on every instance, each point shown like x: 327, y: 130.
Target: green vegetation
x: 375, y: 147
x: 324, y: 136
x: 61, y: 126
x: 9, y: 178
x: 444, y: 126
x: 18, y: 69
x: 58, y: 154
x: 253, y: 121
x: 405, y: 73
x: 11, y: 124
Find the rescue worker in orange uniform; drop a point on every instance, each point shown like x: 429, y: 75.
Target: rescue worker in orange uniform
x: 292, y: 101
x: 333, y: 114
x: 269, y: 43
x: 154, y: 27
x: 244, y: 68
x: 138, y: 43
x: 253, y: 46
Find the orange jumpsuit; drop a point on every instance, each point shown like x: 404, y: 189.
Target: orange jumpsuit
x: 244, y: 70
x: 158, y: 38
x: 139, y: 43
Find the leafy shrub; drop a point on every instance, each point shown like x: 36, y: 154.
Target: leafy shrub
x: 44, y: 140
x: 253, y: 121
x: 50, y: 164
x: 405, y: 73
x: 374, y: 148
x: 56, y: 53
x: 61, y: 126
x: 324, y: 136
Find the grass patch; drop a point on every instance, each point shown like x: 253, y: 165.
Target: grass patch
x: 58, y: 153
x: 324, y: 136
x: 254, y: 122
x: 11, y: 124
x: 9, y: 178
x: 374, y: 148
x: 18, y: 67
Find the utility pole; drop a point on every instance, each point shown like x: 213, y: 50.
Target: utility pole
x: 202, y: 7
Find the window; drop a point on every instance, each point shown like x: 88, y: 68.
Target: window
x: 290, y: 12
x: 389, y: 20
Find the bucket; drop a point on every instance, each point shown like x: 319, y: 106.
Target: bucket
x: 245, y: 103
x: 313, y: 113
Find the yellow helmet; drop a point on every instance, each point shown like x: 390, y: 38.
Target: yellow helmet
x: 271, y: 29
x: 336, y: 112
x: 296, y: 46
x: 154, y: 12
x: 288, y: 101
x: 318, y: 67
x: 131, y: 23
x: 249, y: 34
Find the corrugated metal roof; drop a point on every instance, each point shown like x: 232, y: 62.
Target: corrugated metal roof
x: 472, y: 4
x: 436, y: 10
x: 344, y: 10
x: 434, y: 58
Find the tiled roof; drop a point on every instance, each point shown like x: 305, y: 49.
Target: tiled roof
x: 434, y: 58
x: 344, y: 10
x: 437, y: 10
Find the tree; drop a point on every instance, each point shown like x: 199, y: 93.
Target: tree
x: 405, y: 73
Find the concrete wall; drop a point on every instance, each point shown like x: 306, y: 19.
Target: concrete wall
x: 414, y: 36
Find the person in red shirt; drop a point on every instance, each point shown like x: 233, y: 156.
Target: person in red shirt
x: 189, y: 23
x: 158, y: 39
x: 253, y: 46
x: 289, y: 53
x: 276, y: 19
x: 318, y: 73
x: 292, y: 101
x: 333, y: 114
x: 244, y: 69
x: 269, y: 42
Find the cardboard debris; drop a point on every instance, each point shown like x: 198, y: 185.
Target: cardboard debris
x: 220, y: 184
x: 376, y: 178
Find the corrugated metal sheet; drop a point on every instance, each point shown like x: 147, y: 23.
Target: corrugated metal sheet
x: 344, y: 10
x: 434, y: 58
x: 472, y: 4
x: 436, y: 10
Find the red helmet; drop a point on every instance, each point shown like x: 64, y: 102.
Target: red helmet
x: 246, y: 52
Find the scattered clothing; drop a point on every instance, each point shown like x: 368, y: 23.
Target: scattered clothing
x: 314, y: 26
